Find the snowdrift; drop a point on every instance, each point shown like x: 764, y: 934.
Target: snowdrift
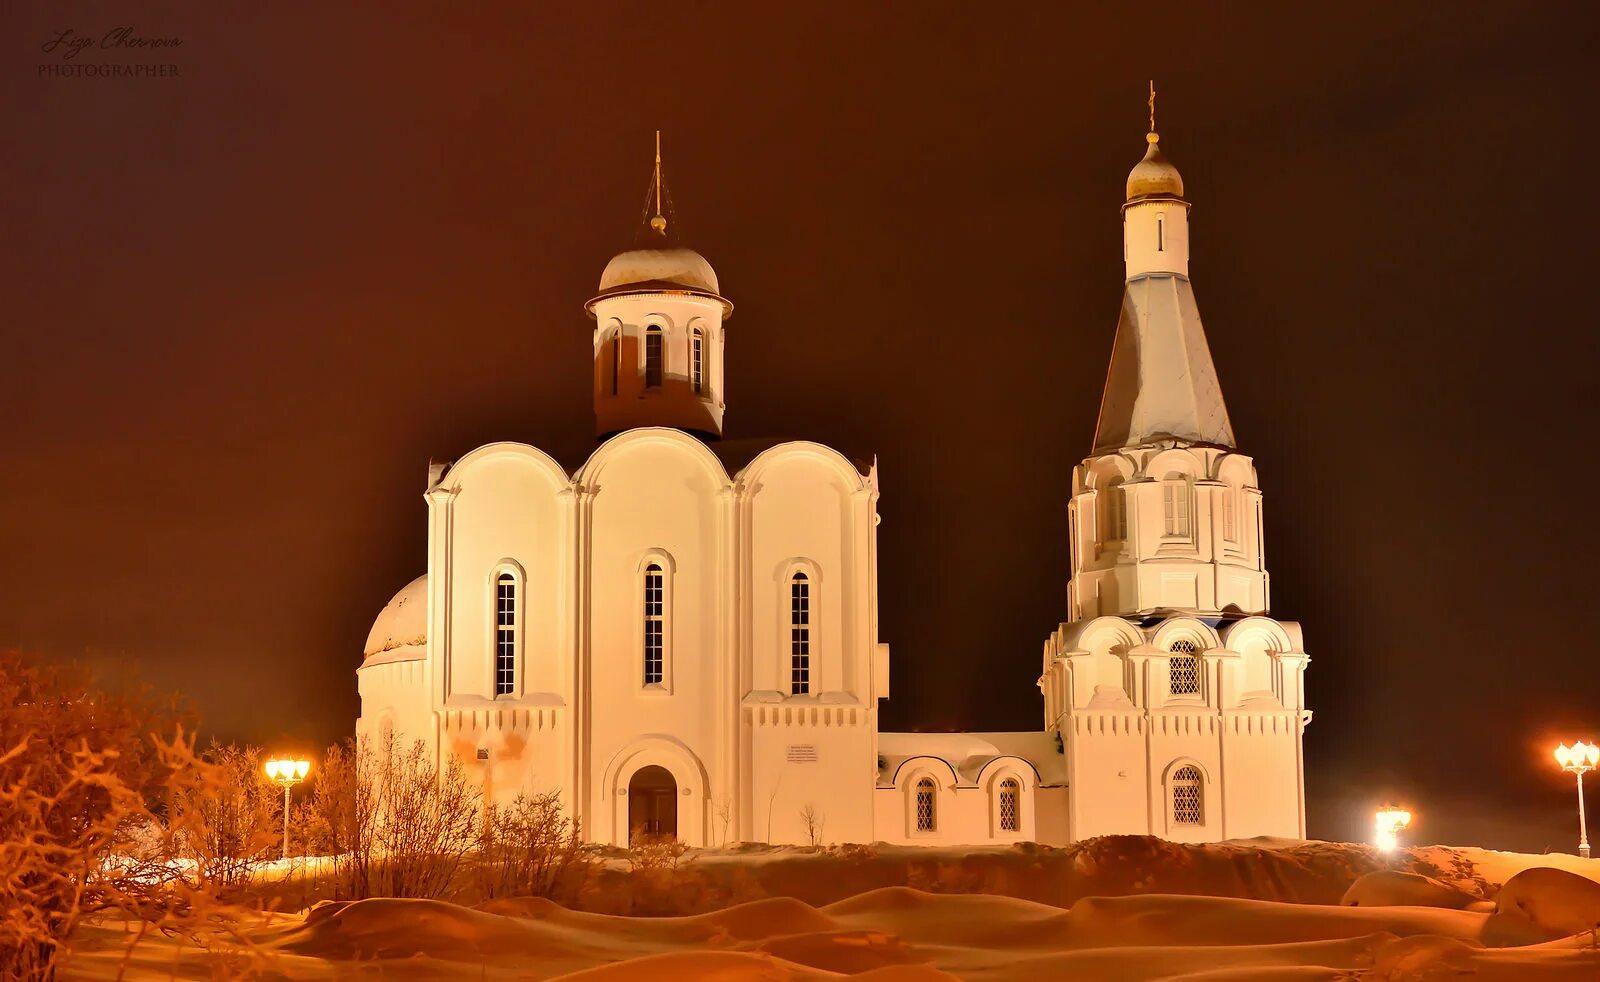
x: 899, y: 932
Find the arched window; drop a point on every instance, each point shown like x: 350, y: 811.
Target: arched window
x: 1184, y: 668
x: 799, y: 634
x: 926, y: 816
x: 505, y: 634
x: 654, y: 605
x: 652, y: 357
x: 1010, y: 805
x: 1175, y: 503
x: 697, y: 349
x: 616, y: 360
x: 1188, y: 796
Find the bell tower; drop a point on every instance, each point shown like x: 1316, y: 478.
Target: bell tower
x: 658, y: 333
x: 1166, y: 513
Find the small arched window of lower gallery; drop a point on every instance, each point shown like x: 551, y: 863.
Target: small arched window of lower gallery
x: 652, y: 357
x: 799, y: 634
x: 1184, y: 668
x: 927, y: 805
x: 505, y: 634
x: 655, y: 585
x: 1188, y: 796
x: 1010, y: 805
x: 697, y: 353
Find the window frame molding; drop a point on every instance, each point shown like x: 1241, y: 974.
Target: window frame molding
x: 669, y: 574
x: 1169, y: 779
x: 813, y: 574
x: 658, y: 326
x: 914, y: 803
x: 697, y: 360
x: 912, y: 772
x: 519, y: 658
x: 1197, y: 648
x: 1008, y: 770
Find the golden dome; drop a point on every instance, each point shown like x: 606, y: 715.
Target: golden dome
x: 1154, y: 176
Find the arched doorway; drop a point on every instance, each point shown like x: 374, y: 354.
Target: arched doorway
x: 652, y: 803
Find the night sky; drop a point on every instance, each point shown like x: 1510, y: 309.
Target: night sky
x: 244, y: 306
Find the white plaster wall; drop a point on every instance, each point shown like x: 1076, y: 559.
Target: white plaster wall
x: 1217, y: 565
x: 799, y: 520
x: 395, y: 695
x: 966, y: 813
x: 1261, y: 782
x: 1107, y: 773
x: 674, y: 403
x: 506, y: 514
x: 656, y: 497
x: 839, y: 784
x: 1145, y: 251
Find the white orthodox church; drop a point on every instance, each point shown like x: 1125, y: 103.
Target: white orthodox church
x: 681, y: 635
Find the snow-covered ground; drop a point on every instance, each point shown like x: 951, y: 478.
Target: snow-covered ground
x: 1116, y: 908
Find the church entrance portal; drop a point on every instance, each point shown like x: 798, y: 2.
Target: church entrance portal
x: 652, y: 803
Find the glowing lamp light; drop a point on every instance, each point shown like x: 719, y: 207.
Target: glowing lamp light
x: 1579, y: 759
x: 1390, y: 821
x: 287, y: 773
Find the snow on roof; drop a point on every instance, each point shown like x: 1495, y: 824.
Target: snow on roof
x: 401, y: 631
x: 970, y: 753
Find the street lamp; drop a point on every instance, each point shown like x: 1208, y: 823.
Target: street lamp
x: 1390, y: 821
x: 287, y: 773
x: 1579, y: 759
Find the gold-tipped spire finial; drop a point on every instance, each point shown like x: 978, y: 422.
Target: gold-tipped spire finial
x: 1152, y: 136
x: 658, y: 222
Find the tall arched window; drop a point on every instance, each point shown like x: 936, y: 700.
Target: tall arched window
x: 1010, y: 805
x: 799, y: 634
x: 505, y: 634
x: 654, y: 605
x: 616, y: 360
x: 1188, y: 796
x: 1184, y: 668
x: 652, y: 357
x: 697, y: 350
x: 1175, y: 503
x: 926, y: 816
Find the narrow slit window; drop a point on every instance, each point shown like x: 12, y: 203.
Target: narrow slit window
x: 652, y: 357
x: 1161, y: 233
x: 1230, y: 508
x: 616, y: 361
x: 654, y: 606
x: 1010, y: 805
x: 1188, y: 797
x: 925, y: 805
x: 1184, y: 668
x: 696, y: 364
x: 799, y: 634
x: 505, y: 634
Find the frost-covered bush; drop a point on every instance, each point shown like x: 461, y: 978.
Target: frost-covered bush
x: 87, y: 779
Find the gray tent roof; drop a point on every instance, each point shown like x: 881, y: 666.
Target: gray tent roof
x: 1162, y: 383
